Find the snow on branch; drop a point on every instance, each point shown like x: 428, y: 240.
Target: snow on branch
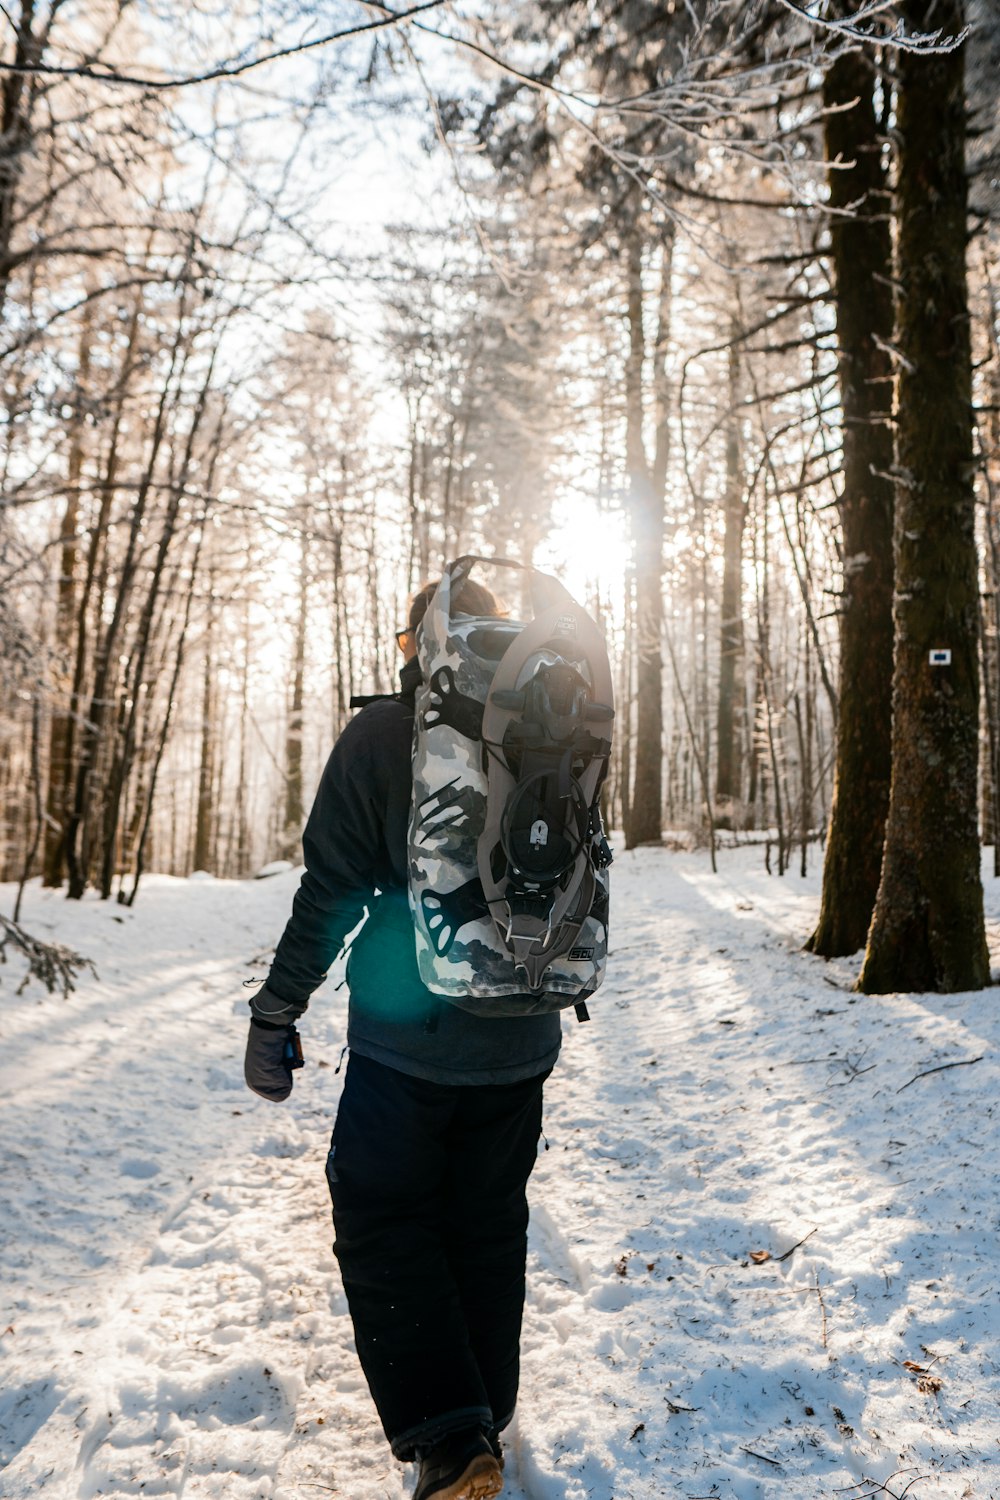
x: 863, y: 26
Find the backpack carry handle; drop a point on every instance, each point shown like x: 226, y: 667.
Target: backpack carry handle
x: 545, y: 590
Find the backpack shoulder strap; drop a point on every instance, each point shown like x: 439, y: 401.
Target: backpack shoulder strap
x: 362, y: 700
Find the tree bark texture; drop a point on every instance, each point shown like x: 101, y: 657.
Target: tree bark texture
x: 927, y: 932
x: 990, y: 623
x: 861, y: 248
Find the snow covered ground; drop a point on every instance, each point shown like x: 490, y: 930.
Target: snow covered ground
x: 763, y: 1250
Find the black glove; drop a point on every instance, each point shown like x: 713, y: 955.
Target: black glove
x: 272, y: 1053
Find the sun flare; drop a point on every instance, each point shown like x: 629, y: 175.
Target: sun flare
x: 588, y: 548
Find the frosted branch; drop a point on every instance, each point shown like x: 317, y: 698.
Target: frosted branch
x: 862, y: 27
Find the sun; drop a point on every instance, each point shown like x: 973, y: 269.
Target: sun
x: 588, y: 548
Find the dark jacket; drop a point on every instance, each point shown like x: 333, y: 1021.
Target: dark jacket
x: 355, y: 846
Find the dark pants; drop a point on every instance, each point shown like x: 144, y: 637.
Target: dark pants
x: 428, y: 1187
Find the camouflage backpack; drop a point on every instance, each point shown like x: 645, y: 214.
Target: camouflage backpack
x: 508, y: 882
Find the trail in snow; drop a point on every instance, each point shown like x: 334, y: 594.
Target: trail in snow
x: 173, y: 1320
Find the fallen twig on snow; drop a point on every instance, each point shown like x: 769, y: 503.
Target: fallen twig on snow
x: 822, y: 1307
x: 765, y: 1258
x: 965, y: 1062
x: 883, y: 1489
x: 55, y: 965
x: 797, y: 1246
x: 762, y: 1456
x: 877, y: 1488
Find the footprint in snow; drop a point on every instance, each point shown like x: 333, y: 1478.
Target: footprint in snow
x: 23, y: 1410
x: 223, y: 1078
x: 138, y: 1166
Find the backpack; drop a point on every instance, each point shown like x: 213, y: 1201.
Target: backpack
x: 508, y: 881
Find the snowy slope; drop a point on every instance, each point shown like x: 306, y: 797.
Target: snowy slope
x: 173, y: 1322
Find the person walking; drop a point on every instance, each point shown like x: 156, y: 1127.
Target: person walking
x: 437, y: 1129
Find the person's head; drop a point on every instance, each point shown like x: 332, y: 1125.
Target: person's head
x: 470, y: 599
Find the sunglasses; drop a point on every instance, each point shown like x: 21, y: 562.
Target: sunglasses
x: 402, y: 636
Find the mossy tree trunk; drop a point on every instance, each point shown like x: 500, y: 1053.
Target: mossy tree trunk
x: 861, y: 251
x: 927, y: 932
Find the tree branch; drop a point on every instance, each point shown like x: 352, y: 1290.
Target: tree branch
x: 965, y: 1062
x: 107, y: 74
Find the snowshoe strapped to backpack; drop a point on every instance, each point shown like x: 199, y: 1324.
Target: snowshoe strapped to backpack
x: 508, y: 861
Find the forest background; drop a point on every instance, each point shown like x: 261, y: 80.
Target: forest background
x: 697, y: 303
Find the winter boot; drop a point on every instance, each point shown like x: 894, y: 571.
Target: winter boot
x: 460, y: 1467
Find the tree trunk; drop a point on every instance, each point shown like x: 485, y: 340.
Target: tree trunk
x: 145, y: 828
x: 991, y: 599
x: 340, y: 695
x: 36, y: 790
x: 126, y: 739
x: 60, y: 762
x: 646, y: 507
x: 623, y: 716
x: 697, y: 753
x: 241, y: 861
x: 928, y: 932
x: 17, y: 95
x: 862, y: 261
x: 727, y: 768
x: 294, y: 804
x: 772, y: 754
x: 204, y: 823
x: 78, y: 823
